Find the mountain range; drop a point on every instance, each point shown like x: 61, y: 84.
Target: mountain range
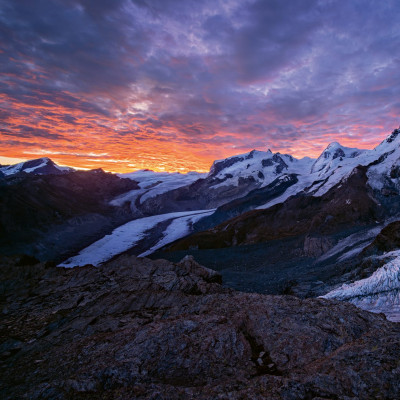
x: 233, y: 284
x: 267, y: 221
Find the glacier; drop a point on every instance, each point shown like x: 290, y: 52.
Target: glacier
x: 128, y: 235
x: 379, y: 293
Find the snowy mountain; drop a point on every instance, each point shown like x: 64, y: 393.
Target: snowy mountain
x: 263, y: 167
x: 272, y: 223
x: 238, y: 176
x: 327, y: 211
x: 153, y: 184
x: 228, y: 180
x: 39, y: 166
x: 337, y: 162
x: 333, y: 156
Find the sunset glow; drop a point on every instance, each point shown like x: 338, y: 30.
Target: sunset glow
x: 173, y: 85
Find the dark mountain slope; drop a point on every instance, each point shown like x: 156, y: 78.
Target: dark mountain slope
x: 33, y: 208
x: 252, y: 200
x: 387, y: 240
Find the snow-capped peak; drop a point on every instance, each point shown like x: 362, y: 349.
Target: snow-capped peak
x: 257, y: 168
x: 393, y: 136
x: 333, y: 145
x: 391, y: 142
x: 332, y: 157
x: 40, y: 166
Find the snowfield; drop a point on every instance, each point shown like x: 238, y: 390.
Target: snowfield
x: 126, y: 236
x: 154, y: 183
x: 378, y: 293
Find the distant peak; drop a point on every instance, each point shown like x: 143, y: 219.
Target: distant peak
x: 333, y: 145
x: 42, y: 160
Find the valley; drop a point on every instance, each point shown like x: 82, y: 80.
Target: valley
x: 270, y: 223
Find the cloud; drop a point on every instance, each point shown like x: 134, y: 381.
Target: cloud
x: 196, y: 80
x: 29, y: 132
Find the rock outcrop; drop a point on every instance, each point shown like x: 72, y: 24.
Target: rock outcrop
x: 136, y: 328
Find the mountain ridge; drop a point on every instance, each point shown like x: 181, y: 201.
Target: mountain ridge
x: 316, y: 215
x: 216, y: 165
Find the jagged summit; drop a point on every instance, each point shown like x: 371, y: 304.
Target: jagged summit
x: 393, y: 135
x: 390, y: 142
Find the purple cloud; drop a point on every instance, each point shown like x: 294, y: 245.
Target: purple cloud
x: 239, y: 74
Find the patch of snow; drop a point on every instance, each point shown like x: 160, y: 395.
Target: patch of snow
x: 14, y: 169
x: 130, y: 197
x: 378, y: 174
x: 122, y: 239
x: 353, y: 252
x: 43, y: 164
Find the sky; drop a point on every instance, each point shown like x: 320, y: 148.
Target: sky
x: 175, y: 84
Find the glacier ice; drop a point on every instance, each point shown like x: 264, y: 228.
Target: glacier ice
x: 379, y: 293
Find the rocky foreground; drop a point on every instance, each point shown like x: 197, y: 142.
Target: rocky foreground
x: 141, y: 329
